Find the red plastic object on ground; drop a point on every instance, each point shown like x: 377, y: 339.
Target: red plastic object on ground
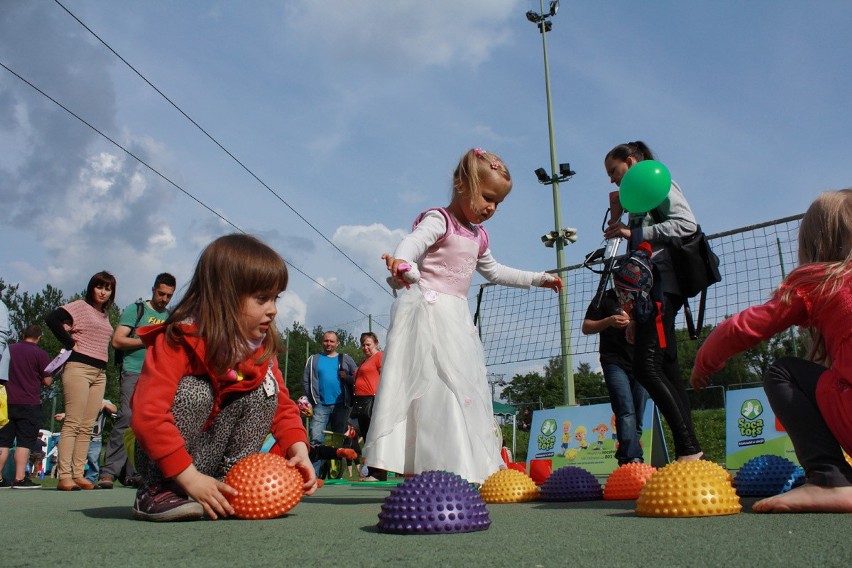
x: 267, y: 486
x: 540, y: 470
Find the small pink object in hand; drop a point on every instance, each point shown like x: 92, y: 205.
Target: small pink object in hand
x: 402, y: 269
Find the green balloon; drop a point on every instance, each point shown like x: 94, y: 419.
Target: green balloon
x: 644, y: 186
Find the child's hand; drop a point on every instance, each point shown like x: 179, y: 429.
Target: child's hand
x: 619, y: 321
x: 402, y: 273
x: 697, y: 381
x: 551, y: 281
x: 617, y: 229
x: 392, y: 263
x: 297, y: 456
x: 207, y: 491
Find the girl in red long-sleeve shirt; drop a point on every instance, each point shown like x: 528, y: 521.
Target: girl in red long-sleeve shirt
x: 812, y: 398
x: 210, y: 389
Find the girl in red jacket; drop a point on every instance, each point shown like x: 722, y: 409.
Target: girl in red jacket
x: 210, y: 389
x: 812, y: 398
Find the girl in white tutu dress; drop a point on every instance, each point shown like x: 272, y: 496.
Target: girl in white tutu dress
x: 433, y: 406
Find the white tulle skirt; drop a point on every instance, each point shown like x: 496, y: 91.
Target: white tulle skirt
x: 433, y: 407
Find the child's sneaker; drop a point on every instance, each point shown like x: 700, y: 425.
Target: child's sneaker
x: 5, y: 484
x: 26, y: 483
x: 159, y: 503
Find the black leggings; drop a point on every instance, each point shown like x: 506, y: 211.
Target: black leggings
x: 790, y: 385
x: 659, y: 372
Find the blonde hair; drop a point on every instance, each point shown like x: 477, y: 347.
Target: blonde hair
x: 825, y: 238
x: 473, y: 166
x: 230, y: 269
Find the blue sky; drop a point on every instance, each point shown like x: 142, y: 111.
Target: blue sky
x: 355, y: 114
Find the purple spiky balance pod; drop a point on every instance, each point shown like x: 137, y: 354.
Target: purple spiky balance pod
x: 571, y: 483
x: 767, y: 475
x: 434, y: 502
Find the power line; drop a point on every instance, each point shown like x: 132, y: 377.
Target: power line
x: 232, y: 156
x: 178, y: 187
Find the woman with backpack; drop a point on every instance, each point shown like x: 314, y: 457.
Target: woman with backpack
x: 655, y: 353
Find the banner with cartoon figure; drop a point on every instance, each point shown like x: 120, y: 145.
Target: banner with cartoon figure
x: 752, y: 429
x: 582, y: 436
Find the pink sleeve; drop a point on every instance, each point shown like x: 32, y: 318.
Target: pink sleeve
x: 745, y: 330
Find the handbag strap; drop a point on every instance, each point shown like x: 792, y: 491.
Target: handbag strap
x: 693, y: 328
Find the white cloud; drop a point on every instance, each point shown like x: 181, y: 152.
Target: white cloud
x: 291, y: 308
x: 403, y: 33
x: 366, y: 243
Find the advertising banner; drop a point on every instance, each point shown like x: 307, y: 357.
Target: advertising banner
x: 584, y: 436
x: 752, y: 430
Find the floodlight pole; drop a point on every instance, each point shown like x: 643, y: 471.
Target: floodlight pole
x: 544, y: 25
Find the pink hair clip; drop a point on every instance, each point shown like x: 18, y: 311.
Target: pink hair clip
x: 480, y: 153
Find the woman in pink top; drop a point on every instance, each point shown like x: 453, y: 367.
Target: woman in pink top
x: 366, y: 385
x: 82, y: 327
x: 812, y: 398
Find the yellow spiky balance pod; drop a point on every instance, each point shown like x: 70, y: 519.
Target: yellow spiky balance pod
x: 508, y: 486
x: 689, y: 489
x: 627, y: 481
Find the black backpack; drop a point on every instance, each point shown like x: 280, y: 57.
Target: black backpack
x: 120, y: 353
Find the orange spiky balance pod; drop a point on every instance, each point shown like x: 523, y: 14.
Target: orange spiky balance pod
x: 267, y: 486
x: 627, y: 481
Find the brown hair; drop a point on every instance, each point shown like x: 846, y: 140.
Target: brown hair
x: 102, y: 278
x: 371, y: 335
x: 825, y: 237
x: 638, y: 150
x: 229, y: 269
x: 473, y: 166
x: 32, y: 331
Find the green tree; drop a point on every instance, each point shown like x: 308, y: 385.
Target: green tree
x: 589, y: 386
x: 298, y: 344
x: 532, y: 390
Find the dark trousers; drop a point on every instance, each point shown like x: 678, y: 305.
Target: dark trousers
x: 790, y: 385
x: 364, y: 427
x: 115, y: 456
x: 659, y: 372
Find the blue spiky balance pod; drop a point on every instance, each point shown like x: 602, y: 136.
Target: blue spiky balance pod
x: 434, y: 502
x: 767, y: 475
x: 571, y: 483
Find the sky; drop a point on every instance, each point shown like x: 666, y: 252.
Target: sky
x: 349, y: 117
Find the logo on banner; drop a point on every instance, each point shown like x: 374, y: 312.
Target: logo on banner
x: 547, y: 438
x: 750, y: 424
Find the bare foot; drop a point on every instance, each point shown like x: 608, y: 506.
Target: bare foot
x: 691, y: 457
x: 808, y: 498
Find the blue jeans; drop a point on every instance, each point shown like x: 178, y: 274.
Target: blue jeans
x: 627, y: 398
x: 93, y: 459
x: 332, y: 417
